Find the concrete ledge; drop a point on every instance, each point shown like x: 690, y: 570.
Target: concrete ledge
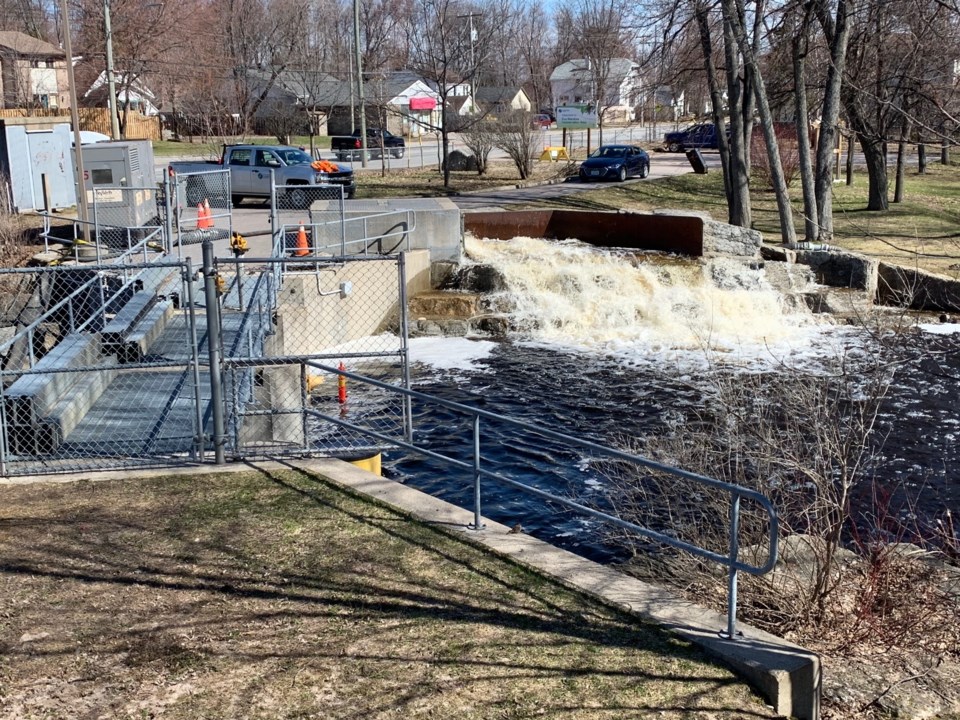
x: 842, y: 269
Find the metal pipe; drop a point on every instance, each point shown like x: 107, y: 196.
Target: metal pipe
x: 187, y: 276
x: 405, y: 346
x: 477, y: 519
x: 214, y: 341
x: 732, y: 569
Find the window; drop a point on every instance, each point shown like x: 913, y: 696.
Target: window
x: 103, y: 176
x: 240, y: 157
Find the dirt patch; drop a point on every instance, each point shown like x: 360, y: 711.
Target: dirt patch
x: 274, y: 595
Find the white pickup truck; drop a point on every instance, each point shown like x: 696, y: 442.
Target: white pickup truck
x: 250, y: 167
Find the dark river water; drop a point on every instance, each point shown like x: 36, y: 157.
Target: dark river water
x: 608, y: 401
x: 614, y: 355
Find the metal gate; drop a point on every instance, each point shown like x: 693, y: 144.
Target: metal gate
x: 348, y: 312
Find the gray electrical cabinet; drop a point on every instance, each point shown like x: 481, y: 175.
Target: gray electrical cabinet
x: 118, y: 178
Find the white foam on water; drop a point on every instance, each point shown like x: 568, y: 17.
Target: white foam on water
x: 653, y: 308
x: 450, y: 353
x: 940, y: 328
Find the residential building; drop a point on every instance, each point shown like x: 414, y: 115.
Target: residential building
x: 33, y: 73
x: 578, y: 81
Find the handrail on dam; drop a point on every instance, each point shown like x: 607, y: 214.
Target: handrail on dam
x: 397, y: 223
x: 736, y: 492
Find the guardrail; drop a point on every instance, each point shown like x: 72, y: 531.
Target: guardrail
x: 736, y: 493
x: 400, y: 223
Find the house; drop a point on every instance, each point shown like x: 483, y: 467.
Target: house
x: 33, y: 73
x: 577, y: 81
x: 132, y: 93
x: 400, y: 101
x: 500, y: 100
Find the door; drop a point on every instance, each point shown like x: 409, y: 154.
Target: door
x: 240, y: 170
x: 263, y: 161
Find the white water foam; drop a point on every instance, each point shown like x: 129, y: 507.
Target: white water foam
x: 450, y: 353
x: 572, y: 294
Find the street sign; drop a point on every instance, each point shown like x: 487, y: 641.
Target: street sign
x: 578, y: 116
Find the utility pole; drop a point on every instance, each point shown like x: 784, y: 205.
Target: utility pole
x: 473, y: 62
x: 75, y: 120
x: 363, y: 109
x: 111, y: 84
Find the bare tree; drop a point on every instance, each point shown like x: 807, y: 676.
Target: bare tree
x: 444, y: 54
x: 481, y: 138
x: 516, y: 136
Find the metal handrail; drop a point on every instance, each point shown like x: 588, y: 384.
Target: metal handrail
x: 405, y: 226
x: 736, y: 492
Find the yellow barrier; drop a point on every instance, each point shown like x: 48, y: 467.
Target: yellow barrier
x: 554, y: 153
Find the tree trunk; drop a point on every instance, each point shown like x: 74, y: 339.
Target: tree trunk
x: 901, y: 160
x: 945, y: 152
x: 837, y: 31
x: 716, y: 103
x: 777, y: 180
x: 810, y: 224
x: 874, y: 152
x: 921, y: 158
x: 851, y: 149
x: 740, y: 212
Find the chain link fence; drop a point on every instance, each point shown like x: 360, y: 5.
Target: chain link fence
x: 200, y: 204
x: 129, y: 364
x: 346, y: 313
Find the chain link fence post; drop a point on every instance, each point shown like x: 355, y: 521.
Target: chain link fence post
x: 214, y: 344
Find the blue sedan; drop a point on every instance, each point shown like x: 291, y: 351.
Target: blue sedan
x: 615, y: 162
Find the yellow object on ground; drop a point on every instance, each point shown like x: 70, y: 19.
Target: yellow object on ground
x: 554, y: 153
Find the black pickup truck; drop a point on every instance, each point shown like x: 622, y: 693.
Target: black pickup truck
x: 347, y: 147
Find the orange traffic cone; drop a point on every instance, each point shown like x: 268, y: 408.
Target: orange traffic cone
x: 302, y: 247
x: 209, y: 215
x: 201, y: 217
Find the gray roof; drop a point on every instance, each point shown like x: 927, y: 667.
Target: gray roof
x: 24, y: 44
x: 577, y: 69
x: 496, y: 94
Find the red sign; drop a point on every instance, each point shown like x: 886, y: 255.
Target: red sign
x: 422, y: 103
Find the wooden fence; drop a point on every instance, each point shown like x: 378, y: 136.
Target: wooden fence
x: 139, y: 127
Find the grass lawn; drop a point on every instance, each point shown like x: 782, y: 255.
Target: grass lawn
x: 275, y: 595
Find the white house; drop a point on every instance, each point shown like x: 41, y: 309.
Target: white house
x: 575, y: 81
x: 132, y: 93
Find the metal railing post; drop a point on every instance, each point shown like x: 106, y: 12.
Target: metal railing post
x: 168, y: 214
x: 405, y: 345
x: 199, y: 447
x: 732, y: 578
x: 214, y: 341
x: 477, y: 520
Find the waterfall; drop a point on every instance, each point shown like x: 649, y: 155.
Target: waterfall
x: 571, y: 293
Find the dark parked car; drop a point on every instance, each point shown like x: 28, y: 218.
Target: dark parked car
x: 615, y: 162
x: 703, y: 135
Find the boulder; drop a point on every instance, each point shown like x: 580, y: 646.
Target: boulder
x: 460, y: 161
x: 916, y: 289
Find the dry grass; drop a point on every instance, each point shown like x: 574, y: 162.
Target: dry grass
x: 274, y: 595
x: 428, y: 182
